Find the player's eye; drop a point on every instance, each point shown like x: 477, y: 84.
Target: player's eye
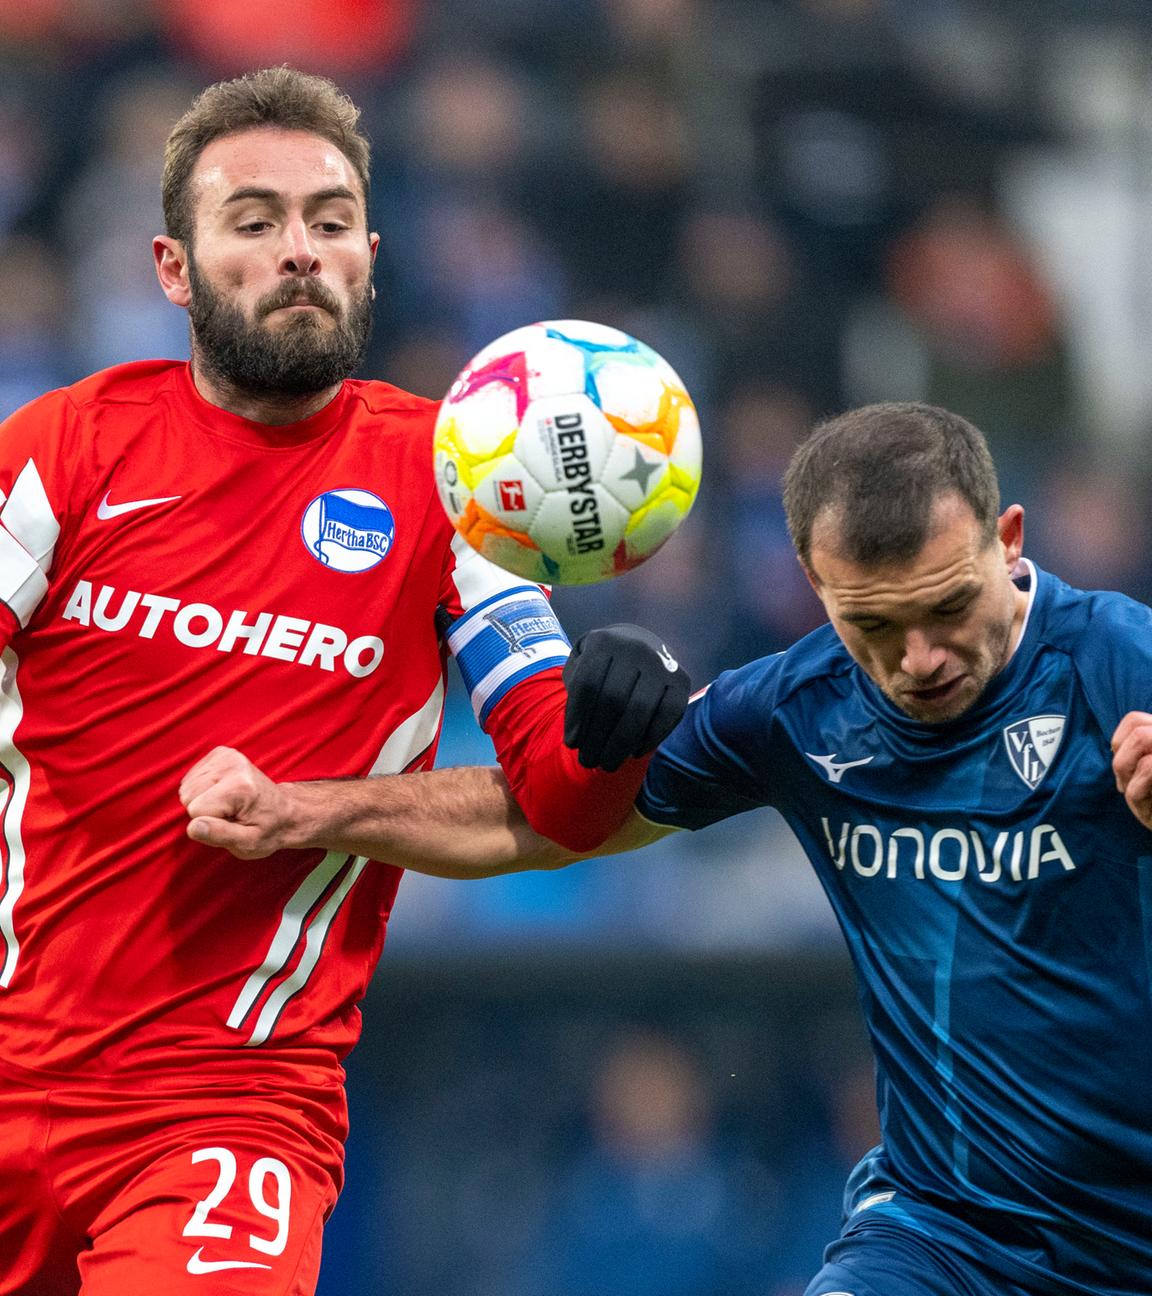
x: 254, y: 226
x: 955, y: 609
x: 333, y: 227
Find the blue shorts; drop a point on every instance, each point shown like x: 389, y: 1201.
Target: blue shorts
x: 895, y: 1244
x: 874, y: 1260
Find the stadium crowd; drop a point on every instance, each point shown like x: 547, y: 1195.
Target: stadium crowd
x: 804, y: 205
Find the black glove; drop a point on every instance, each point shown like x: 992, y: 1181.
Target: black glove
x: 626, y: 693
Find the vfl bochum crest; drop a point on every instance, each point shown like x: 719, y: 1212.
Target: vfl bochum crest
x: 1032, y: 745
x: 349, y: 530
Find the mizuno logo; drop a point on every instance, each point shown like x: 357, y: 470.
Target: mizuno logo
x: 104, y: 510
x: 834, y: 768
x: 198, y: 1266
x: 876, y: 1199
x: 670, y: 663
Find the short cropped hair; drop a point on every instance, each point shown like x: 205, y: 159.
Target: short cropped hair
x: 881, y: 469
x: 278, y: 96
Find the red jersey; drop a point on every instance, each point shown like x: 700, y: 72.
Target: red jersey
x: 173, y: 577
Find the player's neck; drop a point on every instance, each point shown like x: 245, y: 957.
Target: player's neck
x: 1021, y: 600
x: 274, y: 409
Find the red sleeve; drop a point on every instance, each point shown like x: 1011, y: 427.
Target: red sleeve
x: 9, y: 624
x: 576, y: 807
x: 514, y: 677
x: 36, y: 472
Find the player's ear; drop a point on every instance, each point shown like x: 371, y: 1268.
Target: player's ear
x: 1010, y: 530
x: 171, y: 260
x: 810, y: 576
x: 373, y: 248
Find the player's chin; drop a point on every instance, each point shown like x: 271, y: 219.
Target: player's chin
x: 941, y: 704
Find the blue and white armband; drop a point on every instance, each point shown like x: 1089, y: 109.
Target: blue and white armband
x: 502, y: 641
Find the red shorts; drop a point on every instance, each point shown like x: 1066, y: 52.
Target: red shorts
x: 204, y: 1193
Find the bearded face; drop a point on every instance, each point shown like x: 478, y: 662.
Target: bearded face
x: 299, y: 339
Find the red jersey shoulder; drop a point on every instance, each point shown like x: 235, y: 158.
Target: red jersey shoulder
x: 378, y: 397
x: 398, y: 423
x: 381, y: 407
x: 59, y: 437
x: 138, y: 383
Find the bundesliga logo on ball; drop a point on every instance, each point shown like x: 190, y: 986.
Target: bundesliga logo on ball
x: 567, y: 452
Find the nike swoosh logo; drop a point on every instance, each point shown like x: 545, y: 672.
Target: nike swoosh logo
x: 198, y: 1266
x: 671, y: 665
x: 834, y: 768
x: 104, y: 510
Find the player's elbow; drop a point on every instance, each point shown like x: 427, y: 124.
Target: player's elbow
x: 569, y: 836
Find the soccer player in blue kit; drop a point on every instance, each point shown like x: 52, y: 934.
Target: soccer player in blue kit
x: 965, y: 756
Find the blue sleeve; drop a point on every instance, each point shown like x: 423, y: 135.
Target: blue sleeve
x: 1114, y: 658
x: 715, y: 763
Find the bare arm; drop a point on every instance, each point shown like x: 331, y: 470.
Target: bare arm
x: 456, y: 823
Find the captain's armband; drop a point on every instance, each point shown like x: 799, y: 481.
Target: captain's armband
x: 504, y: 640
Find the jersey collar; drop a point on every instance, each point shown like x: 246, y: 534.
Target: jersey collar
x: 221, y: 422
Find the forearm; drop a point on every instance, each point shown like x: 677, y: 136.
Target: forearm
x: 559, y: 796
x: 457, y: 823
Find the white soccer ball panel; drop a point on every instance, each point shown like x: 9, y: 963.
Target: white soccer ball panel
x: 554, y: 368
x: 632, y: 392
x: 453, y: 490
x: 482, y: 422
x: 564, y: 440
x: 688, y: 450
x: 634, y: 472
x: 648, y: 530
x: 510, y: 494
x: 515, y: 556
x: 580, y: 531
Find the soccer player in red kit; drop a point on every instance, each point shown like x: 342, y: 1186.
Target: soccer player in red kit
x: 246, y: 550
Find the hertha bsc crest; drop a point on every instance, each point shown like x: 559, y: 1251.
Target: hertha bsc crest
x: 1032, y: 745
x: 348, y: 530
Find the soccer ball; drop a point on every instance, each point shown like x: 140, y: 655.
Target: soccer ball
x: 567, y: 452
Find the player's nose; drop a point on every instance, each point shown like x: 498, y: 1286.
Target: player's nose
x: 298, y: 254
x: 922, y: 657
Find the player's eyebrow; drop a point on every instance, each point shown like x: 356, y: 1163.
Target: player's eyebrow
x: 955, y: 598
x: 335, y: 193
x: 965, y: 592
x: 248, y: 193
x: 862, y: 618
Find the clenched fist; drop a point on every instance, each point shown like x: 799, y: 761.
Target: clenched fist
x: 1132, y: 763
x: 233, y: 805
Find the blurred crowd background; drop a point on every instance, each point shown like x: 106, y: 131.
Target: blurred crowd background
x: 645, y: 1076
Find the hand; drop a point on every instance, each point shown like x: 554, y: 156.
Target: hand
x: 233, y: 805
x: 1132, y: 763
x: 626, y: 693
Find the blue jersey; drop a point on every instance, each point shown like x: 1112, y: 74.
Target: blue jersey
x: 996, y: 895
